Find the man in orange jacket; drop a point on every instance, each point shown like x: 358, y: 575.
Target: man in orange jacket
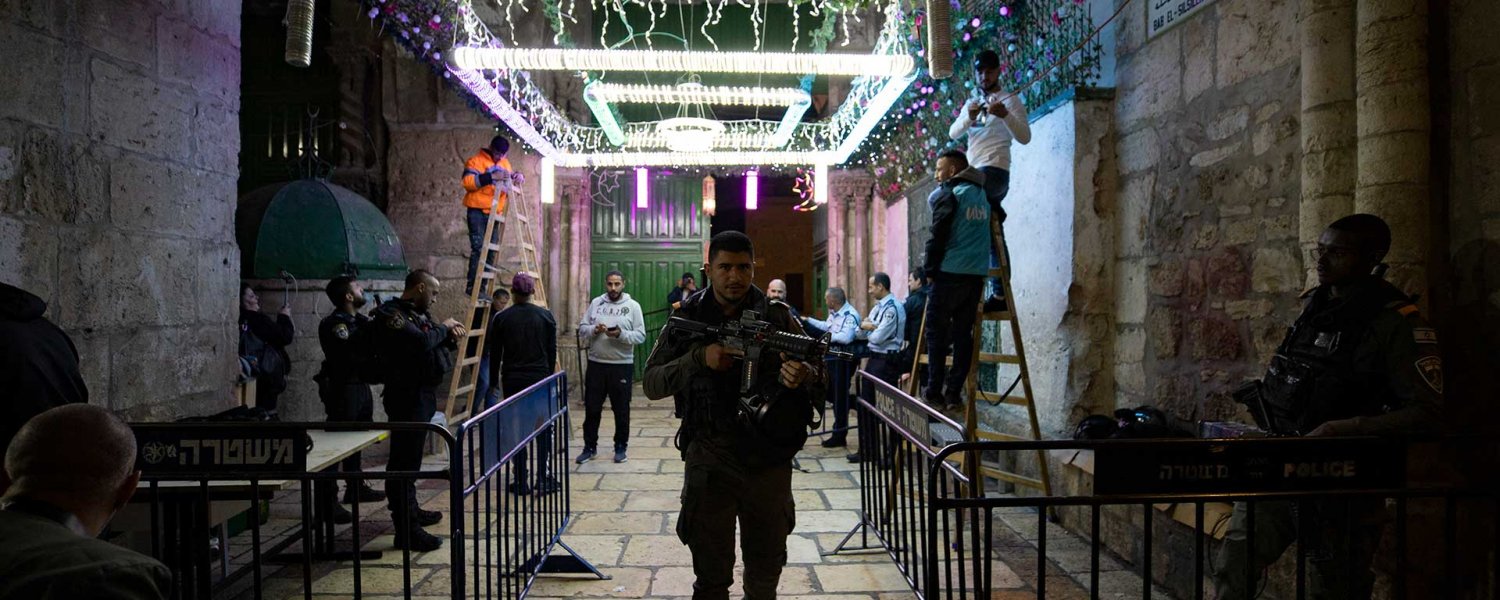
x: 482, y: 172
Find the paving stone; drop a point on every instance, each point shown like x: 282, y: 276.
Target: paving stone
x: 604, y: 463
x: 625, y: 582
x: 654, y: 501
x: 597, y: 523
x: 634, y: 482
x: 601, y: 550
x: 823, y: 481
x: 860, y: 578
x: 381, y: 580
x: 599, y: 501
x: 826, y: 521
x: 656, y: 550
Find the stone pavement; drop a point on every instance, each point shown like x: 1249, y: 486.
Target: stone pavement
x: 625, y: 517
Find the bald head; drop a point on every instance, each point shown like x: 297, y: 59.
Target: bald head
x: 77, y: 449
x: 776, y: 290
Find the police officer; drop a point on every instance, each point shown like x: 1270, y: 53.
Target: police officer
x: 729, y: 475
x: 341, y: 387
x: 884, y: 329
x: 414, y: 353
x: 1359, y: 360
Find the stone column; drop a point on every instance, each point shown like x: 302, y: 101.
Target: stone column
x: 1328, y: 119
x: 1394, y: 122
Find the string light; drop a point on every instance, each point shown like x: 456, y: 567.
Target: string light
x: 689, y: 134
x: 696, y: 94
x: 710, y: 199
x: 689, y: 159
x: 752, y: 190
x: 820, y: 183
x: 578, y: 59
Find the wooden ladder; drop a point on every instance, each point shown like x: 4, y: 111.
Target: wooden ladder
x: 973, y: 392
x: 463, y: 392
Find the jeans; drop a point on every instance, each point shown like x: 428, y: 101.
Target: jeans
x: 996, y: 186
x: 478, y: 219
x: 950, y: 320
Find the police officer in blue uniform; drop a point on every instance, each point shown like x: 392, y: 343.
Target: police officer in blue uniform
x: 413, y: 353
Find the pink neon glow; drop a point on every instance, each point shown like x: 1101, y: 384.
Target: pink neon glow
x: 752, y: 190
x: 640, y: 187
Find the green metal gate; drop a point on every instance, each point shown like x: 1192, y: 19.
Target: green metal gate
x: 652, y: 246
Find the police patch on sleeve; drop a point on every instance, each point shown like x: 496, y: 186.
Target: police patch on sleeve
x: 395, y: 321
x: 1424, y: 335
x: 341, y: 330
x: 1431, y: 368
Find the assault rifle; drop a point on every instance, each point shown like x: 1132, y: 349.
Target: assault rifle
x: 753, y: 337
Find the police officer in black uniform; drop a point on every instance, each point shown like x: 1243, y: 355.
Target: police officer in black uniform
x: 1359, y: 360
x: 730, y: 473
x: 341, y: 386
x: 414, y: 353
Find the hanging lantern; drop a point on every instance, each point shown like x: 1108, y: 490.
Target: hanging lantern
x: 710, y: 201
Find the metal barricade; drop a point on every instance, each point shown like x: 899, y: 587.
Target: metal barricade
x: 200, y: 480
x: 918, y: 500
x: 516, y: 491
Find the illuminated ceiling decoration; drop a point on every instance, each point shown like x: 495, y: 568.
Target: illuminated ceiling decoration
x: 498, y: 77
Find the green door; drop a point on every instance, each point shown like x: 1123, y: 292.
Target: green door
x: 651, y: 246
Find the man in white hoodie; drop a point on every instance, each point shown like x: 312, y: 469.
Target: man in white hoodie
x: 612, y: 327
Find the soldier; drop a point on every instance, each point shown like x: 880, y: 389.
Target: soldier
x: 341, y: 387
x: 414, y: 353
x: 728, y: 477
x: 1359, y: 360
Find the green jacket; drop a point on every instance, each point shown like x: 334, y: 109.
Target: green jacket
x: 43, y: 559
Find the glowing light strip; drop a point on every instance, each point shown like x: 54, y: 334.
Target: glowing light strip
x: 486, y: 93
x: 549, y: 180
x: 605, y: 118
x: 641, y: 187
x: 575, y: 59
x: 874, y: 112
x: 678, y: 159
x: 711, y: 95
x: 789, y: 122
x: 752, y: 190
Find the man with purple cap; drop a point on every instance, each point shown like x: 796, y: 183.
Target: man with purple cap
x: 523, y: 351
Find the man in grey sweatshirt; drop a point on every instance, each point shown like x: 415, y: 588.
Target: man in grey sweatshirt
x: 611, y: 328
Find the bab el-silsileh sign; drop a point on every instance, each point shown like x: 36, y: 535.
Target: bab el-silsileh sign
x: 1161, y: 14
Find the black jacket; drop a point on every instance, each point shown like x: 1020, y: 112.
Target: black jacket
x: 413, y: 349
x: 277, y: 333
x: 38, y: 363
x: 915, y: 305
x: 343, y: 338
x: 523, y: 344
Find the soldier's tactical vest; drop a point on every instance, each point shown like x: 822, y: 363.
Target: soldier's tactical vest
x: 1312, y: 378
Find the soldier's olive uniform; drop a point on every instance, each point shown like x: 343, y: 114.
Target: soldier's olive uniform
x: 1367, y: 356
x: 345, y: 395
x: 729, y: 474
x: 415, y: 353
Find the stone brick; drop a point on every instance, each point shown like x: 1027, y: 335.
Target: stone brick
x: 1266, y: 111
x: 1164, y: 328
x: 150, y: 195
x: 1276, y: 270
x: 150, y: 365
x: 1205, y: 237
x: 1254, y: 37
x: 49, y: 17
x: 123, y: 30
x: 56, y: 177
x: 1238, y: 232
x: 220, y: 18
x: 1386, y: 159
x: 1256, y: 177
x: 28, y: 257
x: 1197, y: 285
x: 1167, y: 279
x: 136, y: 113
x: 1174, y: 396
x: 1130, y: 294
x: 1279, y: 228
x: 1226, y: 276
x: 1240, y: 310
x: 1229, y: 123
x: 1214, y: 338
x: 216, y: 136
x: 1213, y: 156
x: 185, y: 55
x: 1150, y: 81
x: 1139, y: 150
x: 33, y: 67
x: 216, y: 277
x: 1197, y: 58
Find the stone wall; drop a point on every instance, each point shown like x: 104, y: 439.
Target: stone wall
x: 119, y: 137
x: 1209, y: 269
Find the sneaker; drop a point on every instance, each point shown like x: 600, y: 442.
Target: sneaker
x: 428, y: 517
x: 585, y: 456
x: 341, y: 515
x: 362, y: 493
x: 620, y: 455
x: 418, y: 541
x: 995, y: 304
x: 547, y: 485
x: 835, y: 442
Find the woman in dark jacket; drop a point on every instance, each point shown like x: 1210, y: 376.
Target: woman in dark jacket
x: 263, y: 343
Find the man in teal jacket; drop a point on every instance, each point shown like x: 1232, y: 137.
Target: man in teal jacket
x: 958, y: 258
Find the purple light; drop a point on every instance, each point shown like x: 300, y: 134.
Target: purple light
x: 640, y: 187
x: 752, y: 190
x: 1005, y: 11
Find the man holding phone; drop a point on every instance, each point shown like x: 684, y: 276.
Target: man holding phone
x: 612, y: 328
